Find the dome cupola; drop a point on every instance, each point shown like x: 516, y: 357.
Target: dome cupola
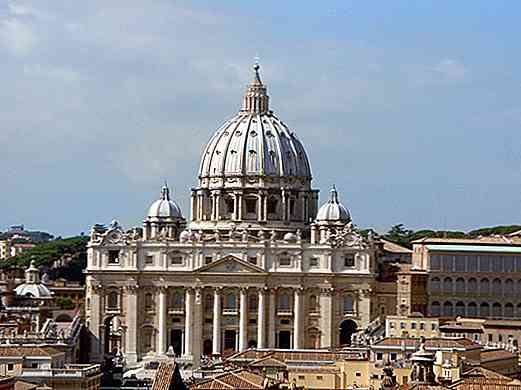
x: 164, y: 218
x: 164, y: 207
x: 333, y: 211
x: 33, y: 287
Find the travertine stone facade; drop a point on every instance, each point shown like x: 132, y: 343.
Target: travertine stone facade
x: 253, y: 267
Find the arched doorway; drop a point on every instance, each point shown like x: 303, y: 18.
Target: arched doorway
x: 176, y: 341
x: 230, y: 337
x: 207, y: 347
x: 347, y: 329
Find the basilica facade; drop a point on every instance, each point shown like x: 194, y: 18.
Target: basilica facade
x: 258, y: 263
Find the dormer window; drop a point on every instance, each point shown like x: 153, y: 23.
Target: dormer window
x: 114, y: 257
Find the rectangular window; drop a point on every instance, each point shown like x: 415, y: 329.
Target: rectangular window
x: 489, y: 338
x: 251, y: 205
x: 301, y: 377
x: 208, y: 259
x: 10, y: 366
x: 460, y: 263
x: 176, y: 260
x: 313, y: 261
x: 114, y: 257
x: 284, y: 260
x: 379, y: 356
x: 500, y: 338
x: 252, y: 259
x: 392, y: 356
x: 402, y: 325
x: 349, y: 261
x: 422, y: 326
x: 358, y: 373
x: 435, y: 262
x: 149, y: 259
x: 319, y: 377
x: 413, y: 325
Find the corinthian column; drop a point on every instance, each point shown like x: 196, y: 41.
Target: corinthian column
x: 131, y: 334
x: 261, y: 319
x: 189, y: 301
x: 297, y: 319
x: 326, y: 318
x: 161, y: 335
x: 271, y: 319
x: 216, y: 348
x: 243, y: 321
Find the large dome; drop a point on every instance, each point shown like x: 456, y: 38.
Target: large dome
x: 254, y: 143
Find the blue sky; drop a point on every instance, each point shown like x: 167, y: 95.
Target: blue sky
x: 413, y: 109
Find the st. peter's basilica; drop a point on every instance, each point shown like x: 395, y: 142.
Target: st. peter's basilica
x: 258, y: 264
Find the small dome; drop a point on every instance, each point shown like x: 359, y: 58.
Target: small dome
x: 333, y: 211
x: 164, y: 207
x: 290, y: 237
x: 33, y: 290
x: 32, y: 287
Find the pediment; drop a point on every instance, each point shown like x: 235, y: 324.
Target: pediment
x: 230, y: 264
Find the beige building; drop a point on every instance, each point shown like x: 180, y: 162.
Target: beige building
x: 415, y: 327
x: 257, y: 264
x: 472, y: 278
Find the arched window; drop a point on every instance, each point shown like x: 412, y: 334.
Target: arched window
x: 484, y: 286
x: 435, y: 285
x: 447, y: 285
x: 272, y: 205
x: 230, y: 301
x: 509, y: 310
x: 509, y: 287
x: 149, y: 302
x: 208, y: 302
x: 348, y: 304
x: 313, y: 304
x: 284, y: 302
x: 435, y: 309
x: 252, y: 303
x: 497, y: 310
x: 113, y: 300
x: 176, y: 300
x: 460, y: 309
x: 472, y: 286
x: 148, y: 339
x: 460, y: 286
x: 448, y: 309
x: 472, y: 309
x: 484, y: 310
x: 496, y: 287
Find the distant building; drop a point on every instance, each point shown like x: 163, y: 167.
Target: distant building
x: 470, y: 277
x: 412, y: 326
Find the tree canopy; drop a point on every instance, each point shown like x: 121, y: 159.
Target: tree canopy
x: 46, y: 254
x: 402, y: 236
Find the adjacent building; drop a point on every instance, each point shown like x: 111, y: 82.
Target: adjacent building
x: 470, y: 277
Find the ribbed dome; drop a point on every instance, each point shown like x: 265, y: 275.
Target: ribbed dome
x: 254, y: 142
x: 164, y: 207
x: 32, y: 286
x: 333, y: 211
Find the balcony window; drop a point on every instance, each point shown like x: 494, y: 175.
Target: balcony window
x: 176, y: 259
x: 284, y: 302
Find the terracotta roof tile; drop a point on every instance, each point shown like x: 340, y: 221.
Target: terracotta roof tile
x: 168, y: 377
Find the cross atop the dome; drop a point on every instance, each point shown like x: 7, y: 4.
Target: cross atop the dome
x: 256, y: 77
